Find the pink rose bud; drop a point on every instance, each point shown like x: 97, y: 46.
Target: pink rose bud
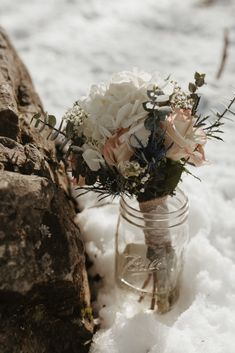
x: 182, y: 139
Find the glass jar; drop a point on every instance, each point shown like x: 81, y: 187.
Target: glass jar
x: 150, y: 241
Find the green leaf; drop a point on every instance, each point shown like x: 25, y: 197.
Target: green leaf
x: 197, y: 75
x: 192, y: 87
x: 51, y: 119
x: 150, y: 106
x: 163, y: 112
x: 167, y: 78
x: 173, y: 173
x: 75, y: 148
x: 37, y: 123
x: 199, y: 79
x: 200, y: 83
x: 37, y: 118
x: 215, y: 137
x: 149, y: 123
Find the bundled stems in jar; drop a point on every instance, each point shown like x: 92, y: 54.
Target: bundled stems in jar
x: 161, y: 253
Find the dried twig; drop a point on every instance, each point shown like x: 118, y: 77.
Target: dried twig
x: 207, y: 2
x: 145, y: 284
x: 224, y: 54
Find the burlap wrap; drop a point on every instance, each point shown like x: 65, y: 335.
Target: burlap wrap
x: 156, y: 233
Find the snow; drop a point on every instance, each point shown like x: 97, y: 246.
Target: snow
x: 70, y: 44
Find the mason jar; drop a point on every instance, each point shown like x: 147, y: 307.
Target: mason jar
x: 150, y: 241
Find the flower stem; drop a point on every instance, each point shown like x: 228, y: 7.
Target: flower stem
x: 153, y: 301
x: 145, y: 284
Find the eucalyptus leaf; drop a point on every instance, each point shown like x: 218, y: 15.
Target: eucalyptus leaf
x: 149, y: 123
x: 44, y: 124
x: 37, y: 118
x: 150, y: 106
x: 56, y: 132
x: 75, y: 148
x: 163, y: 112
x: 64, y: 143
x: 51, y: 119
x: 37, y: 123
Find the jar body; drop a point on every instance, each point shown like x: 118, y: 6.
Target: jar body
x: 150, y: 243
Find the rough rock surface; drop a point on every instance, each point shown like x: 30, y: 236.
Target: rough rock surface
x: 44, y: 293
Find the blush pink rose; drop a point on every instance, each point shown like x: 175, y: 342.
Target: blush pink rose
x: 182, y: 139
x: 116, y: 151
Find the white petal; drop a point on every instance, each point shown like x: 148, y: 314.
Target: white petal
x: 163, y: 98
x: 123, y: 113
x: 133, y: 119
x: 141, y: 133
x: 92, y: 159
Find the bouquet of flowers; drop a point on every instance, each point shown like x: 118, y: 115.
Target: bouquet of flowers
x: 136, y: 135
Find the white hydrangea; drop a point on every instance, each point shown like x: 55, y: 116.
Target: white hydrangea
x: 119, y: 104
x: 115, y: 118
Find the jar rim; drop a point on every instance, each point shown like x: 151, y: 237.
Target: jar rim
x: 175, y: 213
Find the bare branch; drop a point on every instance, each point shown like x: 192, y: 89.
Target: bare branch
x: 224, y: 54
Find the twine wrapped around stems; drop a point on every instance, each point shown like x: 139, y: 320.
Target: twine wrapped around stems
x: 160, y: 251
x: 151, y: 208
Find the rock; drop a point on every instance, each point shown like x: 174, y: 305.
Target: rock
x: 44, y: 292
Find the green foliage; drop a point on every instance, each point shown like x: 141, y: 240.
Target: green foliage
x: 46, y: 120
x: 157, y: 175
x: 51, y: 120
x: 192, y: 87
x: 164, y: 180
x: 199, y: 79
x: 36, y: 117
x: 213, y: 128
x: 158, y: 108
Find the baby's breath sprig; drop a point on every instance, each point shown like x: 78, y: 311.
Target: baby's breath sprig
x: 74, y: 118
x: 180, y: 99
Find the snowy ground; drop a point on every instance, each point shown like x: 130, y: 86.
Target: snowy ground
x: 68, y: 45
